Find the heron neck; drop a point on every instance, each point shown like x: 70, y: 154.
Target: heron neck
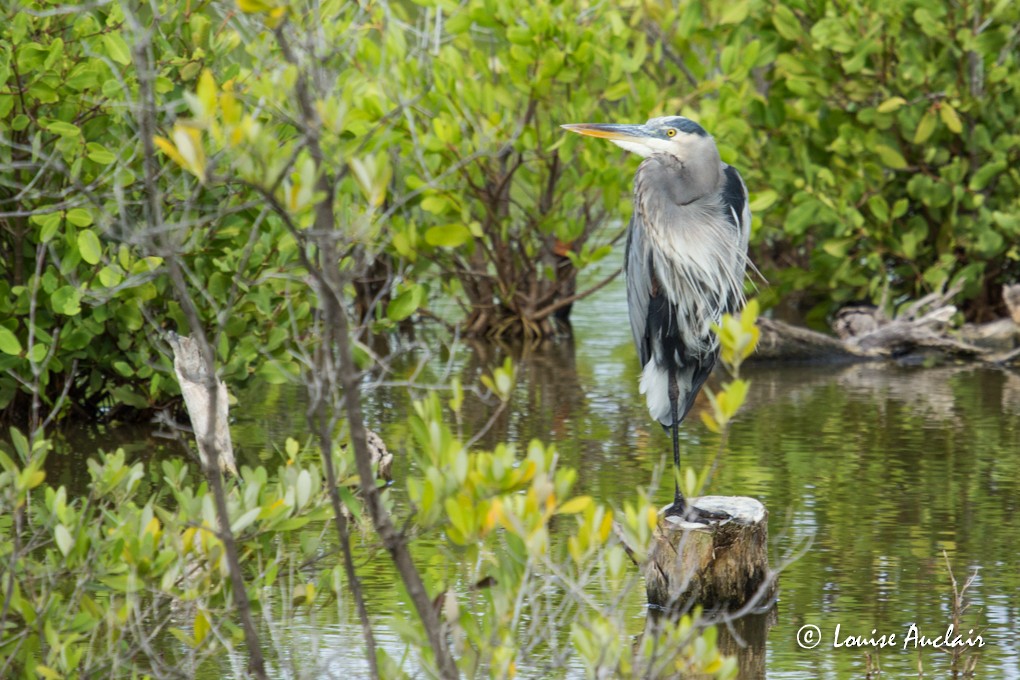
x: 680, y: 181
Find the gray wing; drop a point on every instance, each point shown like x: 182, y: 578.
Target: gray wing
x: 738, y: 210
x: 637, y: 269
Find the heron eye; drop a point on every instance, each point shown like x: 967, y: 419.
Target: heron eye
x: 671, y: 132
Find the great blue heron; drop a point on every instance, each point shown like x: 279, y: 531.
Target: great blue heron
x: 685, y: 262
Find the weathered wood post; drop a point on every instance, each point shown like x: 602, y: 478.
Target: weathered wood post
x: 721, y: 565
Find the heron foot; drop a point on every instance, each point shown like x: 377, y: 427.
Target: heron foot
x: 689, y: 513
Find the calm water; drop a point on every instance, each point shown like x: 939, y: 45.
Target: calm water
x: 871, y: 474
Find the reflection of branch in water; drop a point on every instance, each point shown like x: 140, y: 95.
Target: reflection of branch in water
x: 927, y: 392
x: 1011, y: 393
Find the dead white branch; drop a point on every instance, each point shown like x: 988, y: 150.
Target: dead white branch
x: 196, y: 380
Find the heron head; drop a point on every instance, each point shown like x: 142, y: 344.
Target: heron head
x: 673, y: 135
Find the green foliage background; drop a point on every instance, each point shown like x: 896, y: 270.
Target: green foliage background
x: 877, y: 140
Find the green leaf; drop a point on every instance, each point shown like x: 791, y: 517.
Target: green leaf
x: 405, y: 304
x: 734, y: 12
x: 435, y: 204
x: 48, y: 673
x: 950, y: 118
x: 575, y: 505
x: 63, y: 129
x: 126, y: 395
x: 891, y: 158
x: 38, y: 353
x: 786, y: 23
x: 879, y: 208
x: 763, y: 200
x: 618, y: 91
x: 202, y: 627
x: 89, y: 247
x: 66, y: 300
x: 304, y: 488
x: 837, y: 248
x: 64, y: 540
x: 99, y: 153
x: 50, y: 223
x: 985, y: 175
x: 79, y: 217
x: 206, y: 92
x: 448, y: 236
x: 891, y: 104
x: 110, y: 276
x: 925, y: 128
x: 9, y: 343
x: 244, y: 521
x: 350, y: 502
x: 116, y: 48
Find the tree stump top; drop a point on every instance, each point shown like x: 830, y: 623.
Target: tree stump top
x: 743, y: 510
x: 721, y: 564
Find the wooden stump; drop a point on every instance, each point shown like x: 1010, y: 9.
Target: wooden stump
x: 719, y: 565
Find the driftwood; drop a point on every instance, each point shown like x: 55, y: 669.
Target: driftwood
x: 382, y: 459
x: 195, y: 379
x: 721, y: 565
x: 382, y: 463
x: 921, y: 328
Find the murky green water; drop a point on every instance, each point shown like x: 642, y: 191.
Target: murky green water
x: 873, y: 476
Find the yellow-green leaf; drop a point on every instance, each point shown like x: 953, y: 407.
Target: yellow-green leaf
x: 99, y: 153
x: 207, y: 92
x: 925, y: 128
x: 231, y: 109
x: 66, y: 300
x: 253, y: 6
x: 202, y: 627
x: 188, y: 141
x: 734, y: 12
x: 709, y: 422
x: 950, y: 118
x: 405, y: 304
x: 891, y: 158
x: 167, y: 147
x: 891, y: 104
x: 64, y: 540
x: 763, y: 200
x: 448, y: 236
x: 9, y: 343
x: 89, y: 247
x: 116, y: 48
x: 246, y: 520
x: 575, y: 505
x: 79, y: 217
x: 63, y: 129
x: 48, y: 673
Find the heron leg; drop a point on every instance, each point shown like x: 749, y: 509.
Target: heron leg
x: 679, y: 506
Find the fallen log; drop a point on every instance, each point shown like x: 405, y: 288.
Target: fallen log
x: 780, y: 341
x: 919, y: 329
